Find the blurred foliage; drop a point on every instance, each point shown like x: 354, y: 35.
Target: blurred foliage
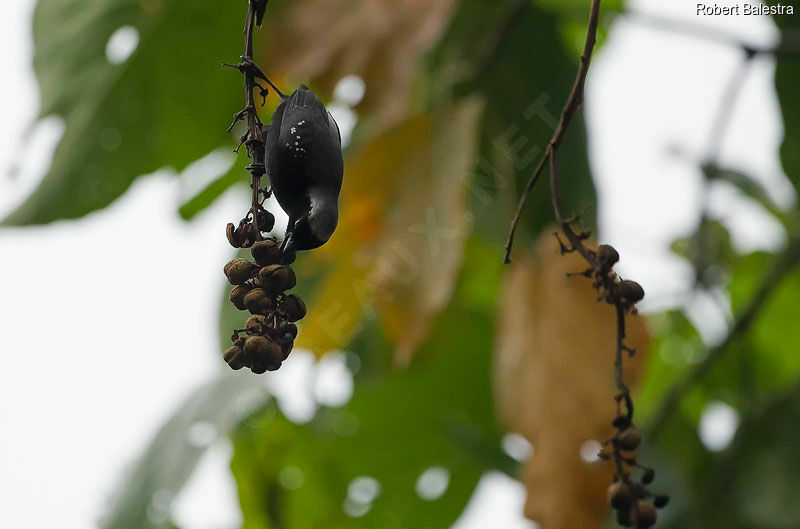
x: 461, y: 99
x: 126, y: 120
x: 434, y: 424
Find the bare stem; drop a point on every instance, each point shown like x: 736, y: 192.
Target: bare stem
x: 574, y: 102
x: 253, y: 138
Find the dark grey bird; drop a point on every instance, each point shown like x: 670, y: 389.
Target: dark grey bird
x: 305, y: 168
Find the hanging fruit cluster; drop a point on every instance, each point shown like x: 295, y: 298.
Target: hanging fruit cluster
x: 260, y: 288
x: 634, y: 503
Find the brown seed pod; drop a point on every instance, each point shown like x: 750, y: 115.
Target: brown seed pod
x: 286, y: 347
x: 288, y: 328
x: 257, y: 301
x: 238, y: 271
x: 644, y: 515
x: 638, y: 490
x: 630, y: 291
x: 607, y: 256
x: 277, y: 278
x: 293, y: 307
x: 620, y: 496
x: 621, y: 422
x: 648, y: 476
x: 288, y: 258
x: 266, y: 252
x: 235, y: 358
x: 247, y: 234
x: 624, y: 517
x: 233, y: 239
x: 266, y: 221
x: 660, y: 501
x: 263, y: 353
x: 628, y: 439
x: 256, y: 346
x: 255, y: 323
x: 238, y: 294
x: 258, y: 368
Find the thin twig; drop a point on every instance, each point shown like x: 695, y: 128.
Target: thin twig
x: 623, y: 295
x: 253, y: 139
x: 787, y: 47
x: 727, y: 104
x: 784, y: 264
x: 717, y: 133
x: 574, y: 101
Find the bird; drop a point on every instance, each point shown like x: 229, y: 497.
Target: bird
x: 305, y: 167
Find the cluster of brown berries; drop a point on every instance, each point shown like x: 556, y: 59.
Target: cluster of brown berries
x: 634, y: 503
x: 246, y: 234
x: 614, y: 289
x: 260, y: 288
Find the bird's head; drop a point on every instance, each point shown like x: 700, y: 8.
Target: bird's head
x: 314, y: 229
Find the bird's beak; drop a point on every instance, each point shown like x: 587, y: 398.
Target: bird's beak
x: 288, y: 245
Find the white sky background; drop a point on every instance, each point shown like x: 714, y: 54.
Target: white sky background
x: 87, y: 315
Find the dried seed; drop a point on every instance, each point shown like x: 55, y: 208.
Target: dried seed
x: 620, y: 495
x: 630, y: 291
x: 238, y: 271
x: 628, y: 439
x: 235, y: 358
x: 266, y: 252
x: 257, y: 301
x: 277, y: 278
x: 233, y: 239
x: 607, y: 256
x: 293, y: 307
x: 644, y: 515
x: 238, y: 294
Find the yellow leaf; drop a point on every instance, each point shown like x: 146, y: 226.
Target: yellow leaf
x: 554, y: 382
x: 399, y: 244
x: 379, y: 40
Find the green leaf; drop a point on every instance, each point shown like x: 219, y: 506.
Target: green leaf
x: 525, y: 96
x: 753, y: 485
x: 437, y: 413
x: 676, y: 345
x: 160, y: 473
x: 787, y: 85
x: 769, y: 473
x: 775, y: 335
x: 166, y: 106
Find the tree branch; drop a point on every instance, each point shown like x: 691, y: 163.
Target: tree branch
x: 574, y: 102
x: 255, y: 139
x: 787, y: 47
x: 784, y: 264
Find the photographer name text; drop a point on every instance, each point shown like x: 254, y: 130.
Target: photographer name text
x: 743, y: 9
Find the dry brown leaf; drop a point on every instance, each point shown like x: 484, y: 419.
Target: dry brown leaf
x: 554, y: 382
x: 379, y: 40
x: 399, y: 244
